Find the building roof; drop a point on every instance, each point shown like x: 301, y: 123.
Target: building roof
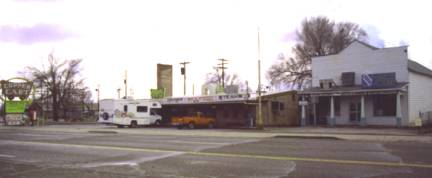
x: 363, y: 43
x: 280, y: 93
x: 353, y: 90
x: 415, y: 67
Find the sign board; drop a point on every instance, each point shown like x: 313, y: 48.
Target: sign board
x: 15, y: 106
x: 418, y: 122
x: 14, y: 119
x: 16, y: 89
x: 303, y: 103
x: 157, y: 93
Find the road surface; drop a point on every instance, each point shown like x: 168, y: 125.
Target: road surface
x: 37, y: 153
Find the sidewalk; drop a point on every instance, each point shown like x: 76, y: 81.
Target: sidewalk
x: 348, y: 130
x: 343, y: 133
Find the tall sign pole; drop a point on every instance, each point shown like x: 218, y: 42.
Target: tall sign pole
x: 260, y: 119
x: 183, y: 72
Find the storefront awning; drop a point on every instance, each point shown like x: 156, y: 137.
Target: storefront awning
x: 354, y: 90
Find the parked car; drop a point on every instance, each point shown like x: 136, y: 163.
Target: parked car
x: 192, y: 122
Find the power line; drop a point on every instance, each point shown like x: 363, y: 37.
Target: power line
x: 222, y: 66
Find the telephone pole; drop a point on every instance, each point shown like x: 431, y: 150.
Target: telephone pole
x: 183, y: 72
x: 222, y: 65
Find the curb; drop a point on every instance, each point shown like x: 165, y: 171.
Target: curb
x: 103, y: 131
x: 308, y: 137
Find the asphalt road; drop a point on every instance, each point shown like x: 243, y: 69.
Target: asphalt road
x: 32, y: 153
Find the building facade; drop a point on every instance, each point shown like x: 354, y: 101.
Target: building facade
x: 364, y: 85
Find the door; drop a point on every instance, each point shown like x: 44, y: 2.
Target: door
x: 354, y: 111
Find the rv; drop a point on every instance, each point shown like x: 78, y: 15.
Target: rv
x: 129, y: 112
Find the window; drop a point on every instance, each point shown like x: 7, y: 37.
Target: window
x: 281, y: 106
x: 154, y: 111
x: 142, y: 108
x: 384, y: 105
x: 125, y: 108
x: 275, y: 105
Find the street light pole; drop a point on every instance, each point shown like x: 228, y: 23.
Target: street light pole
x: 98, y: 94
x: 125, y: 82
x: 260, y: 119
x: 183, y: 72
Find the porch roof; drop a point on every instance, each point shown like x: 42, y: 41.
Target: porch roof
x: 354, y: 90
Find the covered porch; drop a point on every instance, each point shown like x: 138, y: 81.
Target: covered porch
x: 354, y: 106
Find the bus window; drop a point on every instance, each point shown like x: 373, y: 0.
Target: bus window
x: 154, y: 111
x: 142, y: 108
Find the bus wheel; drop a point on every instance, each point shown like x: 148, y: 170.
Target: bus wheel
x: 119, y: 126
x: 133, y: 124
x: 157, y: 123
x: 211, y: 125
x: 191, y: 125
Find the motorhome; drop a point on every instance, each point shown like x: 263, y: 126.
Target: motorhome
x: 129, y: 112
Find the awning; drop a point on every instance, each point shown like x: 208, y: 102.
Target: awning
x: 354, y: 90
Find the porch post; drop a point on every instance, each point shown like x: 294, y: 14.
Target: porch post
x: 362, y: 112
x: 398, y: 110
x: 303, y: 114
x: 314, y: 113
x: 332, y: 116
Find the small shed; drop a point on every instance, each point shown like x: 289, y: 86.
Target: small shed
x: 280, y: 109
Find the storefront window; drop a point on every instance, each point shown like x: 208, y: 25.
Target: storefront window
x: 384, y: 105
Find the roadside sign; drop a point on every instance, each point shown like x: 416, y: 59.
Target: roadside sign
x: 303, y: 103
x: 15, y: 106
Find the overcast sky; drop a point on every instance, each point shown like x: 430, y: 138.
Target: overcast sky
x: 112, y: 36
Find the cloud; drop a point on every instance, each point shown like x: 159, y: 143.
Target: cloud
x: 373, y: 36
x: 290, y: 36
x: 35, y: 34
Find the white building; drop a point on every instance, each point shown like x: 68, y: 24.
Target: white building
x: 364, y: 85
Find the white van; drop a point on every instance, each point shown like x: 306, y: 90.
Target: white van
x: 129, y: 112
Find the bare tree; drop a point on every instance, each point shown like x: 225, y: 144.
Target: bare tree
x: 61, y: 81
x: 318, y: 36
x: 216, y: 78
x: 229, y: 79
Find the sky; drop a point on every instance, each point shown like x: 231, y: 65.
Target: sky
x: 112, y: 36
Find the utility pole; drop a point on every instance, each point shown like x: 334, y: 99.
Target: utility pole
x: 222, y: 66
x: 183, y: 72
x: 98, y: 94
x: 260, y: 125
x: 125, y: 83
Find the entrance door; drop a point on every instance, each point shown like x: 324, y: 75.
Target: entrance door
x: 354, y: 111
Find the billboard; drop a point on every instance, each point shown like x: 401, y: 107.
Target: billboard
x: 13, y: 107
x: 164, y: 78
